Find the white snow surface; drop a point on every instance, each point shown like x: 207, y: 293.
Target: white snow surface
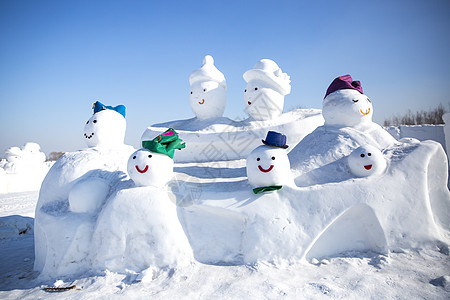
x: 332, y: 234
x: 223, y: 139
x: 23, y: 169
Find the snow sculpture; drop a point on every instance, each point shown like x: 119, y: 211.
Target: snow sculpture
x: 366, y: 161
x: 208, y: 90
x: 150, y: 234
x: 345, y: 104
x: 348, y: 125
x: 266, y: 87
x: 268, y: 166
x: 153, y: 164
x: 75, y: 190
x: 24, y: 168
x: 106, y: 128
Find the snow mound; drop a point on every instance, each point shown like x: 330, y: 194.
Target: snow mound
x: 24, y: 169
x: 222, y: 139
x: 210, y: 213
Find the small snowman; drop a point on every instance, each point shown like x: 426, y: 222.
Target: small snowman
x: 366, y: 161
x: 106, y: 128
x: 153, y: 164
x: 345, y: 104
x: 268, y: 167
x: 266, y: 87
x: 208, y: 91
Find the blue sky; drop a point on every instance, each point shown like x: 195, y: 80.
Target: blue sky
x: 58, y: 57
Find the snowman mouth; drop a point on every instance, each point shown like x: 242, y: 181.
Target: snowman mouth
x: 142, y: 171
x: 249, y: 103
x: 88, y: 136
x: 368, y: 167
x: 265, y: 170
x: 201, y: 102
x: 366, y: 112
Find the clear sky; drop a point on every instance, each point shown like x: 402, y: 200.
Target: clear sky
x: 58, y: 57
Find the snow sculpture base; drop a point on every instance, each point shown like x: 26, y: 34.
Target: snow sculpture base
x: 406, y: 207
x: 139, y: 229
x: 62, y: 236
x: 222, y: 139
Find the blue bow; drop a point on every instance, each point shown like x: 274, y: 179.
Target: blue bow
x: 98, y: 106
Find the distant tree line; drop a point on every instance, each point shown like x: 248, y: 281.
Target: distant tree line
x: 54, y: 156
x: 432, y: 117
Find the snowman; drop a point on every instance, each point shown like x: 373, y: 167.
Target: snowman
x: 153, y: 164
x: 345, y: 104
x: 266, y: 87
x: 268, y: 166
x: 150, y: 236
x: 208, y: 91
x: 366, y: 161
x: 106, y: 128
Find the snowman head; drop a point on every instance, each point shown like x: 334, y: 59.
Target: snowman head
x: 266, y: 87
x: 13, y: 154
x: 366, y: 161
x: 262, y: 102
x: 106, y: 128
x: 345, y: 104
x: 269, y: 164
x: 153, y: 164
x: 33, y: 153
x: 147, y: 168
x: 208, y: 90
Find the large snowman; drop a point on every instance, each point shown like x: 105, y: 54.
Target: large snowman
x: 266, y: 87
x: 268, y: 167
x: 75, y: 190
x: 208, y: 90
x: 150, y: 236
x: 347, y: 112
x: 107, y: 126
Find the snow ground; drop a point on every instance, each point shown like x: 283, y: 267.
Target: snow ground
x: 403, y: 275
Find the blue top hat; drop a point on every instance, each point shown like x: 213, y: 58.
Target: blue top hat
x: 98, y: 106
x: 275, y: 139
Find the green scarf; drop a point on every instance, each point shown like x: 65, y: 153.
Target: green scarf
x: 267, y: 189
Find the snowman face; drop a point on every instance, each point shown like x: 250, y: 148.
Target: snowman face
x: 347, y: 108
x: 366, y: 161
x: 105, y: 128
x: 268, y: 166
x: 150, y: 169
x: 261, y: 101
x: 208, y: 99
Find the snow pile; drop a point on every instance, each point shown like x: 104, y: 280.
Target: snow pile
x: 24, y: 169
x: 222, y: 139
x: 347, y: 186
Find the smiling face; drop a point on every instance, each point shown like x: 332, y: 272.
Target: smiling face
x: 347, y: 108
x: 268, y: 166
x: 105, y: 129
x: 261, y: 102
x: 208, y: 99
x: 366, y: 161
x: 150, y: 169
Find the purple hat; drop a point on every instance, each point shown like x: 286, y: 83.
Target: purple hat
x: 342, y: 83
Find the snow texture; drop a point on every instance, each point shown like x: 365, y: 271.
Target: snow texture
x: 266, y: 87
x: 146, y: 168
x: 208, y: 95
x: 24, y: 169
x: 105, y: 128
x: 222, y: 139
x: 268, y: 166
